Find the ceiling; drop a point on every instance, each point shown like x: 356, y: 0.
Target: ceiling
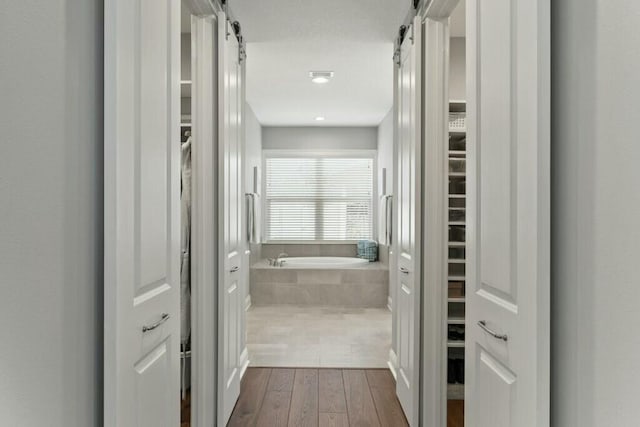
x: 288, y: 38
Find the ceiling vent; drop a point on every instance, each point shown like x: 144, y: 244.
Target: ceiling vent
x: 321, y: 77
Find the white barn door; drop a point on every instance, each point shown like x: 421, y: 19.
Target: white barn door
x: 409, y: 214
x: 142, y: 213
x: 507, y: 351
x: 230, y: 300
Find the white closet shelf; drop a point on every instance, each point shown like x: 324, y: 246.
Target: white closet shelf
x: 455, y: 321
x: 457, y: 300
x: 457, y: 153
x: 457, y: 196
x: 455, y: 391
x: 457, y: 173
x: 185, y: 88
x: 456, y: 278
x: 457, y: 244
x: 456, y: 261
x: 457, y: 131
x: 456, y: 222
x: 455, y: 344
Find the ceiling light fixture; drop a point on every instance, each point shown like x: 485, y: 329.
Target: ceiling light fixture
x: 321, y: 77
x: 320, y: 119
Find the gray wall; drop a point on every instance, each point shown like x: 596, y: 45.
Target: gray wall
x: 595, y: 212
x: 320, y: 138
x: 457, y: 68
x: 51, y: 213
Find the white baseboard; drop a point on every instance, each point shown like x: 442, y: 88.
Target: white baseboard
x: 247, y: 302
x: 389, y: 303
x: 244, y: 361
x: 393, y: 363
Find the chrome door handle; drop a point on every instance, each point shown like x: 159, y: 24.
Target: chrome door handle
x: 483, y: 325
x: 163, y: 318
x: 404, y: 270
x: 234, y: 269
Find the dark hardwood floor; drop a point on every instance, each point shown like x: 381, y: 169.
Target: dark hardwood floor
x: 320, y: 397
x: 455, y: 413
x: 317, y: 397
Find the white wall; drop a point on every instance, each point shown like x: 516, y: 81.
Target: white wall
x: 385, y: 161
x: 595, y: 213
x: 253, y: 148
x: 253, y: 158
x: 51, y: 213
x: 457, y: 68
x: 320, y: 138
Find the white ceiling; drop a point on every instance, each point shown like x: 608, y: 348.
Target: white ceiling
x: 288, y: 38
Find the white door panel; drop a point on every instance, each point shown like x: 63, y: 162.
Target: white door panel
x: 232, y: 243
x: 508, y: 214
x: 142, y: 213
x: 408, y: 191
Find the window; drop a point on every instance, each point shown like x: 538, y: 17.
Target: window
x: 318, y: 198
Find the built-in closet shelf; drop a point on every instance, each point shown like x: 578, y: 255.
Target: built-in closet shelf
x: 454, y: 287
x: 185, y: 88
x: 455, y: 391
x: 185, y: 124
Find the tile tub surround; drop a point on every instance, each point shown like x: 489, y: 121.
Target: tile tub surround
x: 332, y: 337
x: 366, y: 286
x: 270, y: 250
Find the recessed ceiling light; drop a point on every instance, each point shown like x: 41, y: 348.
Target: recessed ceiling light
x: 320, y: 119
x: 321, y: 77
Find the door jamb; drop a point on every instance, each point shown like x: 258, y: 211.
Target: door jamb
x: 204, y: 111
x: 435, y: 56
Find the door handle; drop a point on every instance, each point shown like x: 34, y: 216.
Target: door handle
x: 483, y: 325
x: 404, y: 270
x: 163, y: 318
x: 234, y: 269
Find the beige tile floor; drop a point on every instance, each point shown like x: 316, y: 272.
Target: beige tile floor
x: 297, y: 336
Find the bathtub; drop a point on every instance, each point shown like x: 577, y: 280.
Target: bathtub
x: 323, y: 262
x: 320, y: 281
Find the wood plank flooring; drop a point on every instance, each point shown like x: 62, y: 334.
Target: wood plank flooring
x: 317, y: 398
x: 272, y: 405
x: 455, y: 413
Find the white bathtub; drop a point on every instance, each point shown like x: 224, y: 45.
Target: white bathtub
x: 323, y: 262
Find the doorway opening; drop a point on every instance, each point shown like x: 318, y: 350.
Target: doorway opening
x: 319, y: 180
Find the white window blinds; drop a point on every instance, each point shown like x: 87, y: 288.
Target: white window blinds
x: 324, y: 198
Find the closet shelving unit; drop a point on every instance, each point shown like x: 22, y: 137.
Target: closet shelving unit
x: 456, y: 280
x: 185, y: 106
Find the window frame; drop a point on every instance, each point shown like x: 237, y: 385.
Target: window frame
x: 343, y: 154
